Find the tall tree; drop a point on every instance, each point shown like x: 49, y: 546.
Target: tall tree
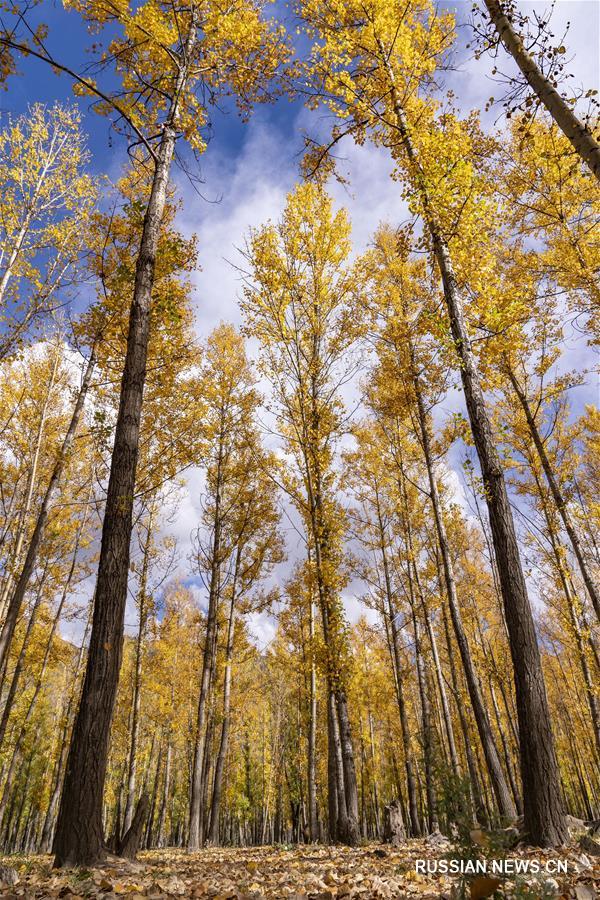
x: 298, y: 303
x: 167, y: 58
x: 235, y: 543
x: 393, y: 57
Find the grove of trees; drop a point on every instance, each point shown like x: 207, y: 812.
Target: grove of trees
x: 392, y: 463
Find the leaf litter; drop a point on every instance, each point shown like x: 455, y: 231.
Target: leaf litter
x: 299, y: 873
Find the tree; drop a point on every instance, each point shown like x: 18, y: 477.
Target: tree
x: 545, y: 196
x: 46, y: 201
x: 400, y: 300
x: 378, y: 94
x: 298, y: 303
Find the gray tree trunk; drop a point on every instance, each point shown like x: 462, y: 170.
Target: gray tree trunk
x: 575, y: 131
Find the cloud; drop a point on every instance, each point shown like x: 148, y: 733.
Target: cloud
x: 247, y: 189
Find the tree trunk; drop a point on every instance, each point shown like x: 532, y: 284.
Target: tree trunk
x: 439, y: 675
x: 312, y: 732
x: 332, y: 779
x: 18, y: 669
x: 213, y: 835
x: 352, y: 831
x: 338, y: 832
x: 506, y: 806
x: 49, y: 820
x: 479, y: 812
x: 12, y: 769
x: 565, y: 580
x: 411, y: 785
x: 79, y: 838
x: 427, y: 730
x: 394, y: 831
x: 130, y: 842
x: 162, y: 816
x: 544, y: 820
x: 556, y: 492
x: 137, y: 678
x: 575, y: 131
x: 197, y: 785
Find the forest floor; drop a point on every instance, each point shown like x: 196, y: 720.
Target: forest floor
x: 298, y: 873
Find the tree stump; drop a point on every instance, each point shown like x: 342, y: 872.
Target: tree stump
x: 130, y: 842
x: 394, y: 831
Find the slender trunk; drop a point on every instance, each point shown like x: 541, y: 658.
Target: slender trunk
x: 18, y: 595
x: 544, y: 820
x: 213, y: 835
x: 352, y: 833
x: 427, y: 729
x: 49, y: 641
x: 312, y: 731
x: 53, y: 153
x: 506, y: 750
x: 556, y: 492
x: 506, y: 805
x: 479, y: 812
x: 6, y: 600
x: 79, y: 838
x: 565, y: 580
x: 374, y: 777
x: 446, y: 714
x: 151, y: 813
x: 137, y: 677
x: 411, y: 784
x: 561, y: 111
x: 195, y: 824
x: 15, y: 756
x: 332, y: 774
x: 342, y: 812
x: 162, y: 816
x: 49, y: 820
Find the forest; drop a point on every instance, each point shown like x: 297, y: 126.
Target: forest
x: 313, y: 570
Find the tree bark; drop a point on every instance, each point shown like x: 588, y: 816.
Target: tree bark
x: 479, y: 811
x: 565, y: 580
x: 427, y: 729
x: 131, y: 840
x: 411, y: 785
x: 49, y: 820
x: 19, y: 667
x: 394, y: 831
x: 575, y: 131
x: 79, y: 838
x: 196, y: 811
x: 162, y: 816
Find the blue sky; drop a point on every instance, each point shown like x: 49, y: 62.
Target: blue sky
x: 248, y: 169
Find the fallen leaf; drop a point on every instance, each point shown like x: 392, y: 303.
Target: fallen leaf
x: 483, y: 886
